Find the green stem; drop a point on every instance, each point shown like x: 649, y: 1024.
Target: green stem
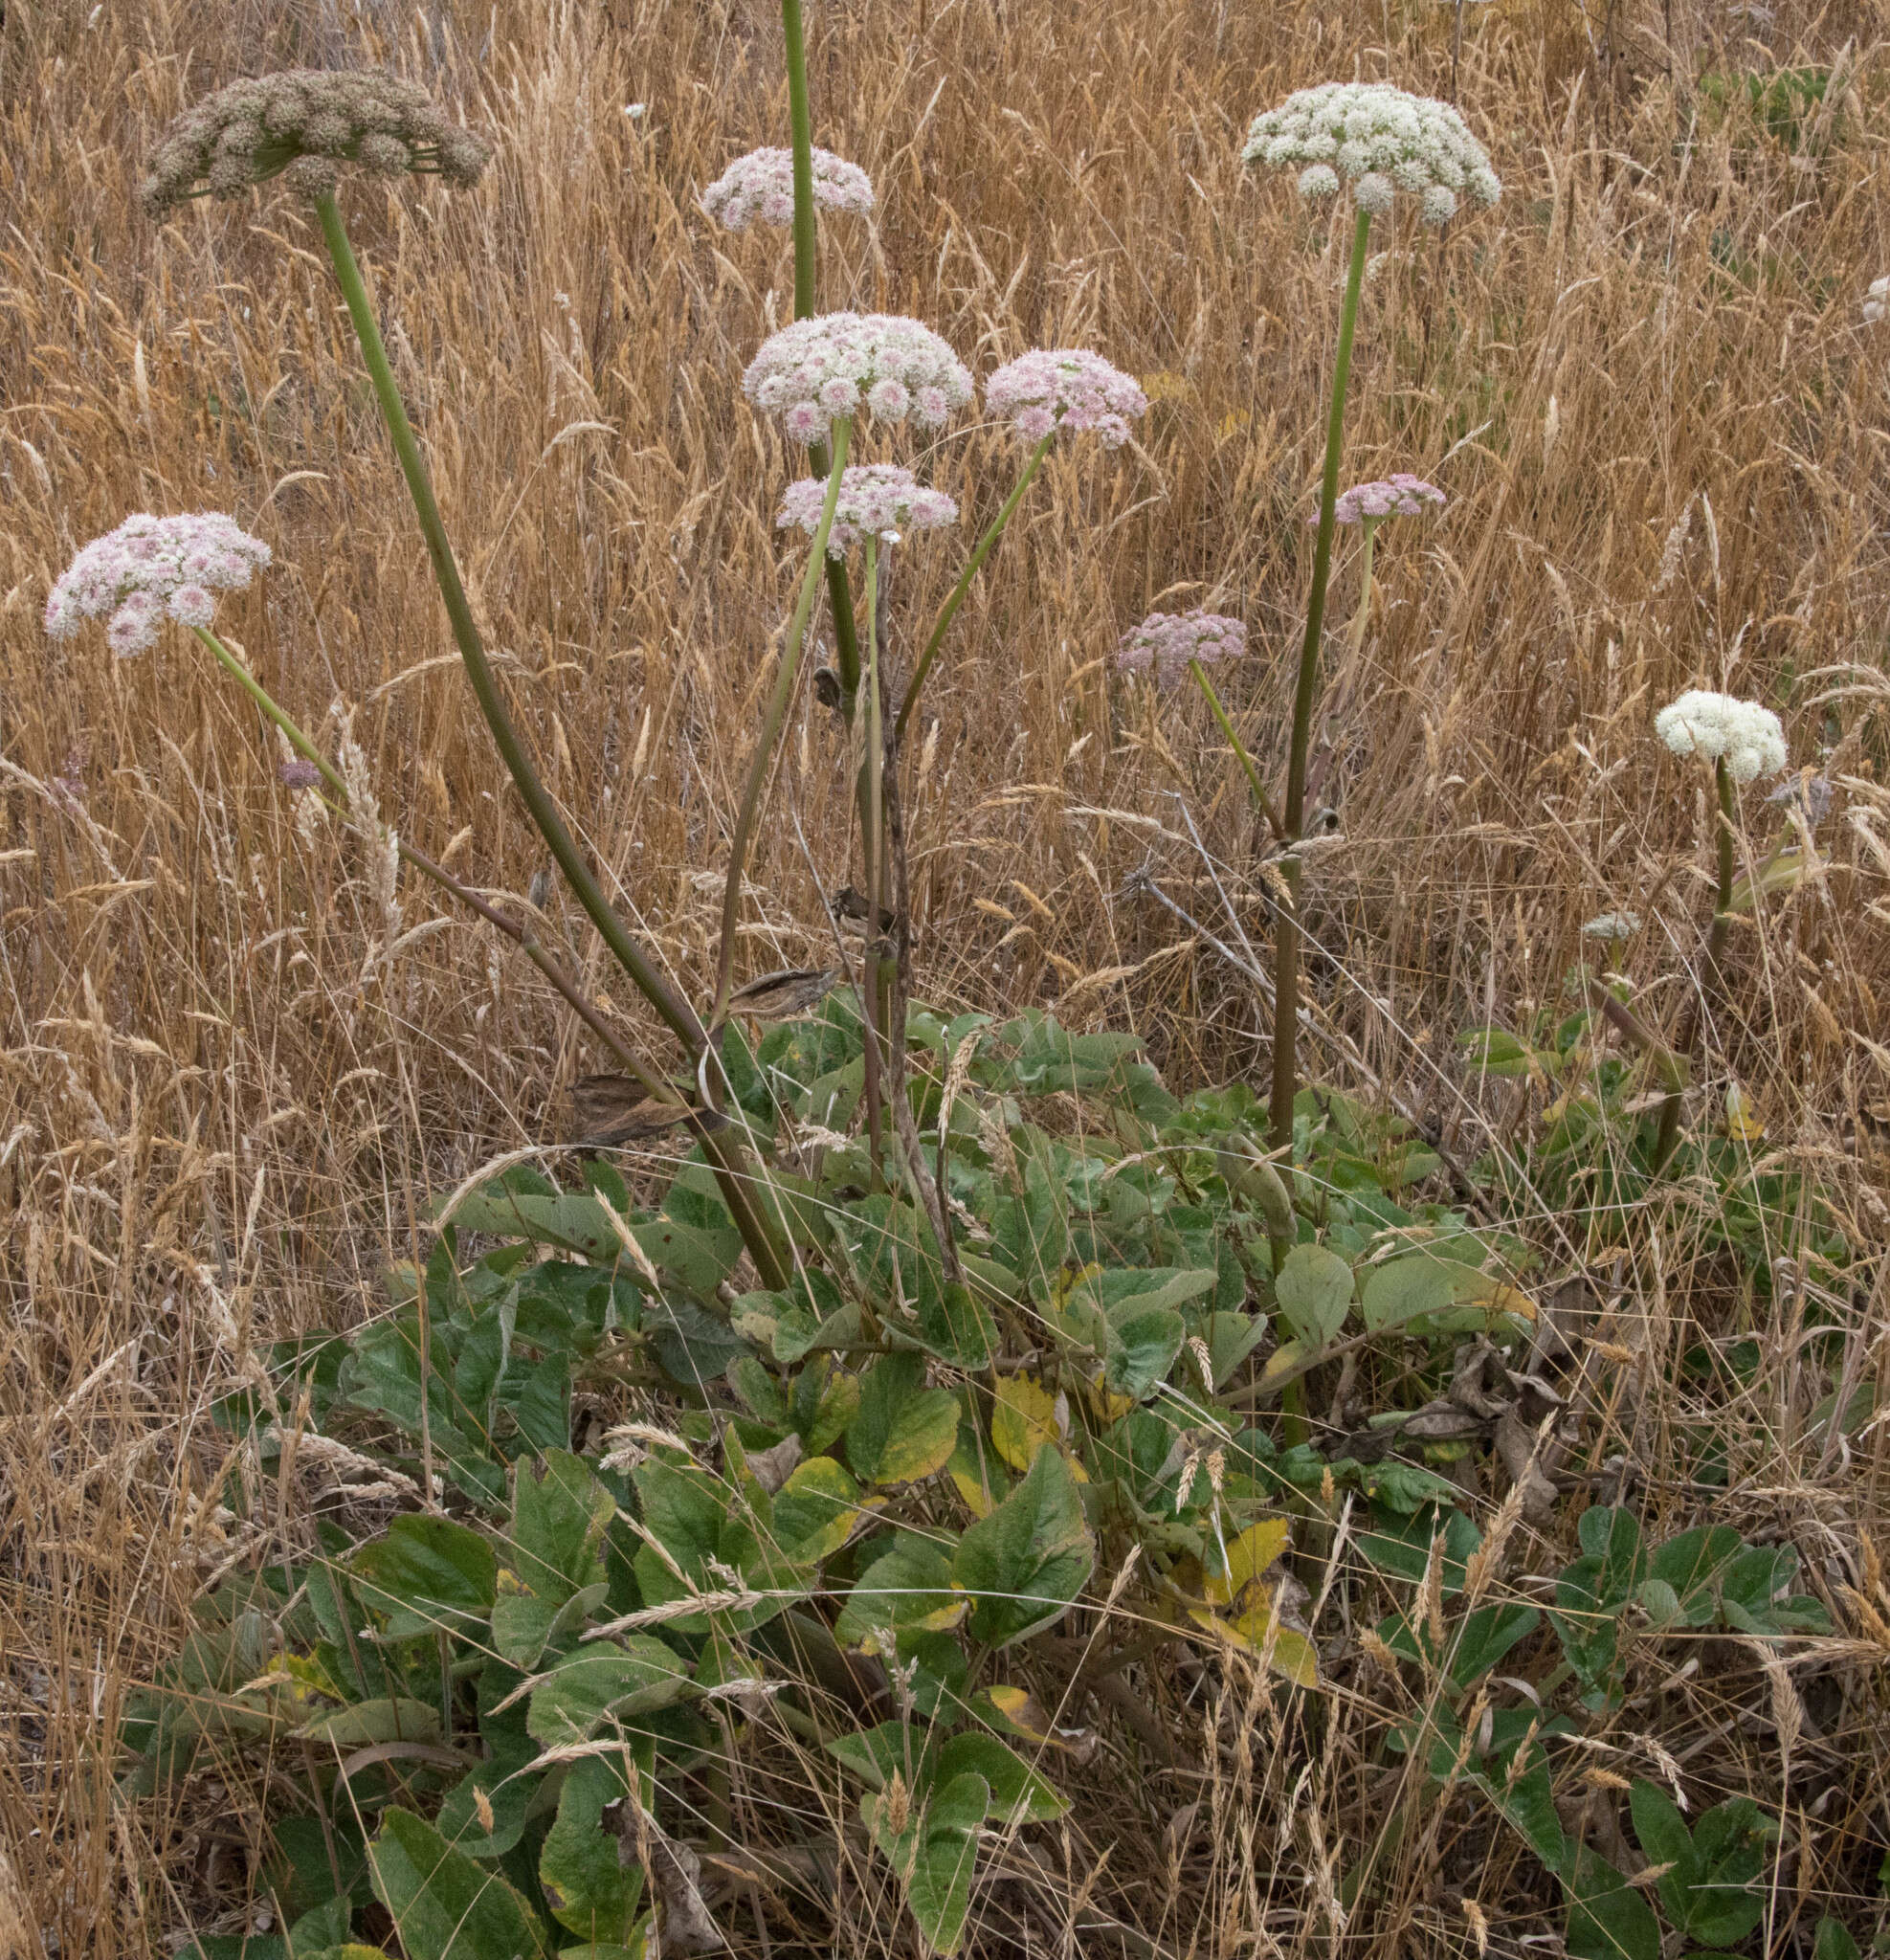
x: 949, y: 610
x: 1365, y: 588
x: 1260, y: 796
x: 873, y: 869
x: 1708, y: 990
x: 777, y: 713
x: 677, y: 1014
x: 807, y: 246
x: 733, y: 1167
x: 1286, y: 954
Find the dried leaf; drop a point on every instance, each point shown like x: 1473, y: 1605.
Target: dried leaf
x: 618, y: 1110
x: 779, y: 996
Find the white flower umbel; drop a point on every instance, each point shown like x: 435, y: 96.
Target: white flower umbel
x: 1381, y: 140
x: 1612, y: 925
x: 151, y: 567
x: 761, y: 184
x: 876, y: 500
x: 836, y: 363
x: 1876, y: 300
x: 1749, y: 737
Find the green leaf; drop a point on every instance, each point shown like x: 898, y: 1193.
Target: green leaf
x: 818, y: 1510
x: 560, y: 1512
x: 1470, y: 1650
x: 1690, y: 1563
x: 1403, y: 1288
x: 1608, y: 1918
x: 908, y: 1589
x: 957, y: 1326
x: 877, y: 1755
x: 394, y: 1717
x: 939, y: 1889
x: 1401, y: 1547
x: 903, y: 1431
x: 1143, y: 1344
x: 1018, y: 1794
x: 1498, y: 1052
x: 1729, y: 1855
x: 426, y: 1573
x: 523, y: 1625
x: 1314, y: 1288
x: 1025, y: 1564
x: 571, y: 1701
x: 443, y: 1905
x: 1230, y: 1338
x: 590, y: 1890
x: 499, y: 1779
x: 1833, y: 1942
x: 1665, y: 1838
x: 1527, y: 1804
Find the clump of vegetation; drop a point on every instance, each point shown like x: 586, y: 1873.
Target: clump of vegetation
x: 909, y: 1437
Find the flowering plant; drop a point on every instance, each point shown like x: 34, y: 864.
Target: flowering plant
x: 151, y: 567
x: 1055, y: 389
x: 875, y: 499
x: 1748, y: 737
x: 1169, y: 642
x: 761, y: 184
x: 1399, y: 495
x: 833, y: 365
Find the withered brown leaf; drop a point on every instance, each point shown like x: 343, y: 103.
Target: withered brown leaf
x: 618, y: 1110
x: 779, y: 996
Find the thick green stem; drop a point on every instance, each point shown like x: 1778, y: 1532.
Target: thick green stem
x: 1707, y: 993
x: 777, y: 712
x: 733, y: 1167
x: 675, y: 1011
x: 1260, y: 796
x: 807, y: 247
x: 873, y: 867
x: 949, y: 610
x: 1286, y: 953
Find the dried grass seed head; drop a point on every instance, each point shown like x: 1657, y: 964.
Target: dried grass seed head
x: 835, y: 364
x: 151, y: 568
x: 876, y: 499
x: 1379, y: 139
x: 761, y: 184
x: 1065, y: 388
x: 1749, y: 736
x: 305, y: 122
x: 1168, y: 641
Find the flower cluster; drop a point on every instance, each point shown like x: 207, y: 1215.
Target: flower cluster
x: 1168, y: 641
x: 1401, y: 494
x: 150, y: 566
x: 1712, y: 726
x: 1379, y: 139
x: 875, y: 498
x: 307, y: 122
x: 762, y: 185
x: 1612, y: 925
x: 1065, y: 387
x: 1876, y: 300
x: 822, y: 369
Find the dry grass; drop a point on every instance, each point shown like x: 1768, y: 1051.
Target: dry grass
x: 223, y: 1106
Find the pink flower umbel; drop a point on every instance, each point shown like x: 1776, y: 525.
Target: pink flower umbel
x: 151, y: 567
x: 836, y: 364
x: 761, y: 184
x: 875, y: 498
x: 1053, y: 388
x: 1402, y: 495
x: 1166, y: 641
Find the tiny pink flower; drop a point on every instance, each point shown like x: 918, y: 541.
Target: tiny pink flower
x: 1168, y: 641
x: 821, y: 367
x: 149, y: 566
x: 875, y: 498
x: 1065, y: 388
x: 762, y: 185
x: 1401, y: 494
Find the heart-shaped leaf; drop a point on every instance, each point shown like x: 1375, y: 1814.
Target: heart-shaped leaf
x: 1026, y: 1563
x: 1314, y: 1288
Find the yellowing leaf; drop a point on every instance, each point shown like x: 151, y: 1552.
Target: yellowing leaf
x: 1742, y: 1126
x: 1025, y: 1418
x: 1283, y: 1361
x: 1167, y: 385
x: 1105, y: 1404
x: 1248, y: 1556
x: 1294, y: 1657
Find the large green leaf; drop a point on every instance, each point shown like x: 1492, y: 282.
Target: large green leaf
x: 939, y: 1889
x: 1025, y: 1564
x: 1019, y: 1793
x: 1314, y: 1288
x: 903, y: 1431
x: 590, y: 1890
x: 1608, y: 1918
x: 499, y: 1780
x: 443, y: 1905
x: 908, y: 1589
x: 560, y: 1512
x: 1403, y: 1288
x: 818, y: 1510
x: 427, y: 1575
x: 571, y: 1701
x: 1690, y: 1563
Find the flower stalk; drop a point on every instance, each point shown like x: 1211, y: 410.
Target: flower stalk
x: 1262, y: 801
x: 1286, y: 956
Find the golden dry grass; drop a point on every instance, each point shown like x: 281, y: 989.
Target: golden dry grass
x: 226, y: 1102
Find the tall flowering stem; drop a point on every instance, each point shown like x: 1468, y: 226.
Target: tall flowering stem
x: 1262, y: 801
x: 1665, y: 1136
x: 733, y: 1166
x: 875, y: 998
x: 806, y: 245
x: 777, y: 712
x: 1286, y: 954
x: 948, y: 612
